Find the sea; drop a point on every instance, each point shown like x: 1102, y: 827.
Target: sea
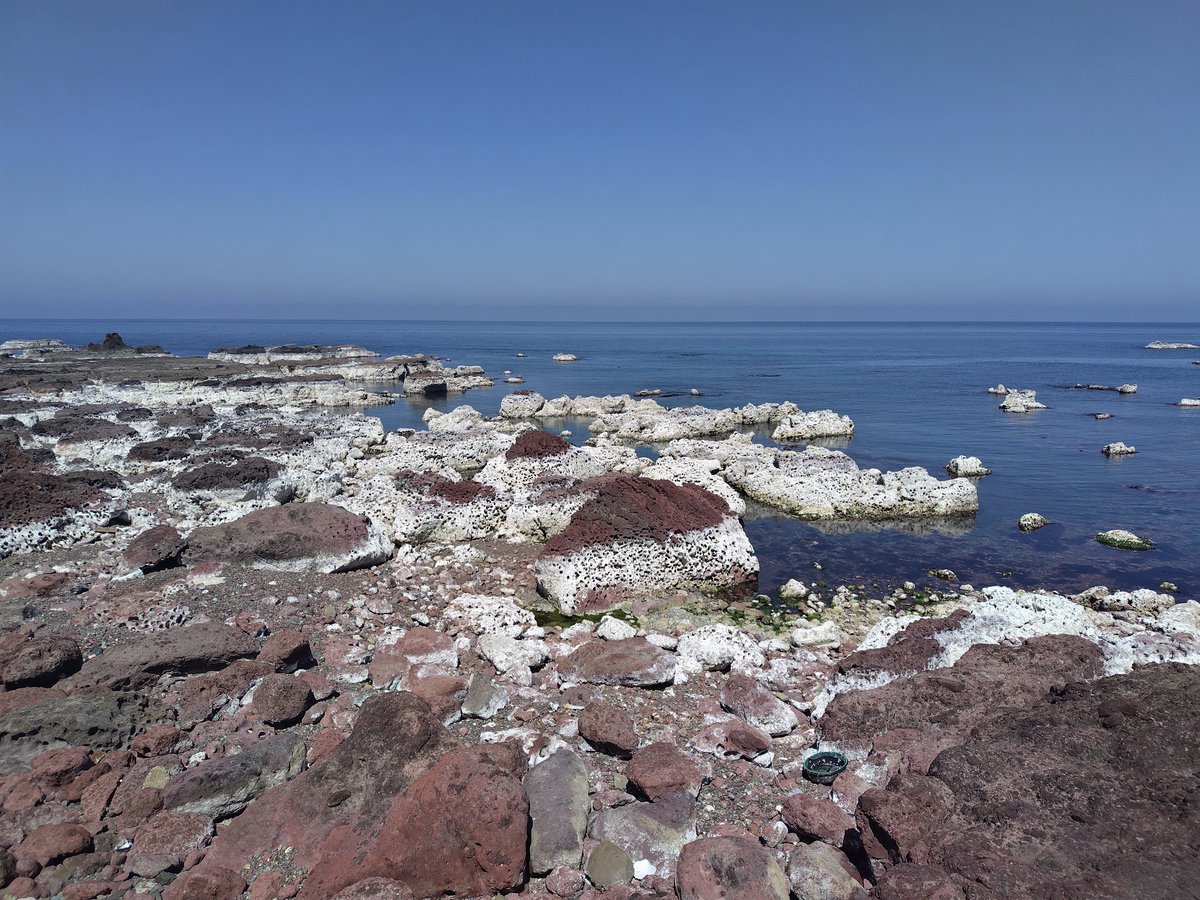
x: 917, y: 393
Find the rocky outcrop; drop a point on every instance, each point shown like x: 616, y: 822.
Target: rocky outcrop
x: 316, y: 537
x: 967, y: 467
x: 1092, y: 783
x: 806, y: 426
x: 1118, y: 449
x: 1124, y: 540
x: 1020, y: 401
x: 637, y: 535
x: 822, y: 484
x: 1168, y: 345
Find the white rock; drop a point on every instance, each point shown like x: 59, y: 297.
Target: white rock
x: 1118, y: 448
x: 1032, y: 522
x: 613, y: 629
x: 820, y: 635
x: 486, y: 615
x: 806, y: 426
x: 1020, y: 401
x: 967, y: 467
x: 717, y: 648
x: 508, y: 653
x: 793, y: 590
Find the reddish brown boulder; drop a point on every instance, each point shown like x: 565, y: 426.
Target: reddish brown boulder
x: 733, y: 737
x: 730, y: 868
x: 817, y: 819
x: 51, y: 843
x: 287, y: 650
x: 165, y: 841
x: 537, y: 445
x: 56, y: 768
x: 37, y: 661
x: 155, y: 548
x: 293, y: 537
x: 661, y: 768
x: 633, y: 662
x: 608, y: 729
x: 211, y: 884
x: 422, y: 647
x: 375, y: 889
x: 758, y: 707
x: 181, y: 651
x: 335, y: 810
x: 909, y: 880
x: 460, y: 830
x: 281, y: 700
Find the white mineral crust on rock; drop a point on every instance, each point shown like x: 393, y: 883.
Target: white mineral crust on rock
x: 967, y: 467
x: 1016, y: 401
x: 806, y: 426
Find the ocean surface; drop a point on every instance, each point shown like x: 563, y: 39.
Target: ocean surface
x: 918, y: 396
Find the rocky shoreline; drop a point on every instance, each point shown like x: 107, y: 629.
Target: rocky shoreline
x: 254, y: 647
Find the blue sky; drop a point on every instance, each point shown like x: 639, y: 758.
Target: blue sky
x: 601, y: 159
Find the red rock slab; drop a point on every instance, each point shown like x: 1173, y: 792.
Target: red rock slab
x: 661, y: 768
x: 633, y: 662
x: 37, y: 661
x: 181, y: 651
x: 537, y: 445
x: 627, y: 508
x: 730, y: 868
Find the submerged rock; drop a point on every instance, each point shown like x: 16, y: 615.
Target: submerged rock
x: 1167, y: 345
x: 1032, y: 522
x: 1124, y: 540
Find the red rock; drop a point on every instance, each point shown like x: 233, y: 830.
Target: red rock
x: 730, y: 868
x: 37, y: 661
x: 733, y: 737
x: 316, y: 535
x: 155, y: 548
x: 180, y: 651
x: 281, y: 700
x: 753, y: 703
x: 287, y: 650
x: 55, y: 768
x: 633, y: 662
x: 537, y: 445
x: 49, y: 844
x: 212, y: 884
x: 19, y: 698
x: 815, y: 818
x: 158, y: 740
x: 910, y: 880
x: 470, y: 798
x: 23, y: 796
x: 95, y: 797
x: 565, y: 882
x: 461, y: 492
x: 627, y: 508
x: 336, y: 808
x: 660, y: 768
x: 165, y: 840
x: 608, y: 729
x: 420, y: 647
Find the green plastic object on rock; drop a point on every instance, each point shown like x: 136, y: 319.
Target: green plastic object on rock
x: 823, y: 768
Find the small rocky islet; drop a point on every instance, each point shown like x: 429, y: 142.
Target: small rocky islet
x: 251, y: 645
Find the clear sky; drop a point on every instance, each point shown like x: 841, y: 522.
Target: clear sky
x: 605, y: 159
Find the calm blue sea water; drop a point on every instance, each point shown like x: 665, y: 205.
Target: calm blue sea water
x: 917, y: 394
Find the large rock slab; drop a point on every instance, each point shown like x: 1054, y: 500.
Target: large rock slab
x: 637, y: 535
x: 923, y: 714
x: 1087, y: 793
x: 730, y: 868
x: 655, y: 832
x: 296, y: 537
x: 106, y: 720
x: 223, y: 787
x: 557, y: 789
x: 37, y: 661
x: 335, y: 809
x: 180, y: 651
x: 633, y: 662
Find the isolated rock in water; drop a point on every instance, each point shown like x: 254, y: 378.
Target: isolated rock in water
x: 1166, y: 345
x: 999, y: 390
x: 521, y: 405
x: 730, y: 868
x: 1118, y: 449
x: 1124, y: 540
x: 806, y: 426
x: 565, y: 357
x: 296, y: 537
x: 1019, y: 401
x: 1186, y: 401
x: 967, y: 467
x: 1032, y: 522
x: 1101, y: 416
x: 1119, y: 389
x: 1097, y: 807
x: 638, y: 535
